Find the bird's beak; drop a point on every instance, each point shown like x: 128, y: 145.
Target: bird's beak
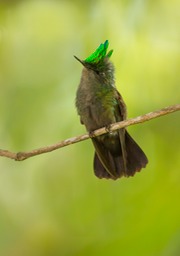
x: 81, y: 61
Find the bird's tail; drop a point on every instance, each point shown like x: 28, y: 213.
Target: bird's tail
x: 113, y: 166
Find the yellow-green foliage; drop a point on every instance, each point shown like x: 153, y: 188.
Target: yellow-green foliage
x: 53, y: 204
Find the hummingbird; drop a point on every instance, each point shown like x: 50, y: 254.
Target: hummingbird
x: 99, y: 104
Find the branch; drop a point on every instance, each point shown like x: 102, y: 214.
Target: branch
x: 140, y: 119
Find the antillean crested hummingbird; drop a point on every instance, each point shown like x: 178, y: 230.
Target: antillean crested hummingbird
x: 99, y: 104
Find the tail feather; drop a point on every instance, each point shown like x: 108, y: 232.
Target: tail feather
x: 136, y: 158
x: 116, y: 164
x: 113, y: 166
x: 100, y: 170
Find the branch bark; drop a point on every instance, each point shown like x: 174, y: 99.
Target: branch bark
x: 140, y: 119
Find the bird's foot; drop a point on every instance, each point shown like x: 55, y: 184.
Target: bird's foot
x: 108, y: 128
x: 91, y: 134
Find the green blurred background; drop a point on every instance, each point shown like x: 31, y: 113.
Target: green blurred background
x: 52, y: 204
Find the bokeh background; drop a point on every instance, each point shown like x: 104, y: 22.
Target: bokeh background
x: 52, y: 204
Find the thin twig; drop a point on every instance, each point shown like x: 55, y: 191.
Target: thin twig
x: 140, y: 119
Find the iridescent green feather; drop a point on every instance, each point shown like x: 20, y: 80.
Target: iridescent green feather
x: 99, y: 54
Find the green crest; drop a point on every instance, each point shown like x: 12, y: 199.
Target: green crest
x: 99, y: 54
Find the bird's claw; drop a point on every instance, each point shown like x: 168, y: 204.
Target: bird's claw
x: 91, y: 134
x: 108, y: 128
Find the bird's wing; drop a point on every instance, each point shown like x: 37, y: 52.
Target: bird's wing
x: 121, y: 114
x: 110, y: 148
